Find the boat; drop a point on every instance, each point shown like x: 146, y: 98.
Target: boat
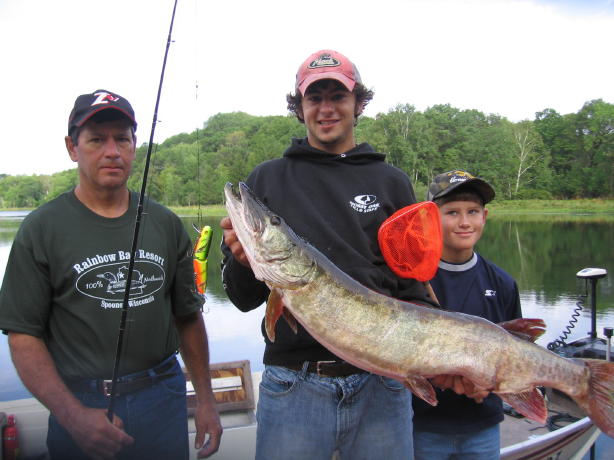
x: 237, y: 396
x: 567, y: 435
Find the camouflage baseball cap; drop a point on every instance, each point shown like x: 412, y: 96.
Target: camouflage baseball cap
x: 445, y: 183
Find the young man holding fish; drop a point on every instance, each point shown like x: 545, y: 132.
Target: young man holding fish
x: 61, y: 302
x: 461, y: 427
x: 335, y: 194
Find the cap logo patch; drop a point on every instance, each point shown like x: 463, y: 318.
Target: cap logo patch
x: 324, y: 60
x: 459, y: 176
x: 104, y: 98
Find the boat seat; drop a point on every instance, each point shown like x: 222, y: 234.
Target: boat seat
x: 232, y: 387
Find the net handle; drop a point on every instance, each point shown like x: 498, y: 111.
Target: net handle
x: 430, y: 291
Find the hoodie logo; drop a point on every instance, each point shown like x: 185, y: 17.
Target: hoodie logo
x: 365, y: 203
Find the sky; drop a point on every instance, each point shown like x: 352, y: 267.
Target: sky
x: 507, y: 57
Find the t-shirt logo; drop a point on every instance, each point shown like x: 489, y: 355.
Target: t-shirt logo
x: 104, y: 277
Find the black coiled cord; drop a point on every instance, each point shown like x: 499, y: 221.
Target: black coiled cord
x: 553, y: 420
x: 560, y: 342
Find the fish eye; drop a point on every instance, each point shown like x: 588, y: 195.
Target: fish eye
x: 275, y: 220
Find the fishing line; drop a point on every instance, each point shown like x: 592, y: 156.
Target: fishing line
x: 202, y: 244
x: 137, y: 224
x: 198, y: 181
x: 199, y: 194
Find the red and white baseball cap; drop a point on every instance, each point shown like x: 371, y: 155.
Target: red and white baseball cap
x: 327, y: 64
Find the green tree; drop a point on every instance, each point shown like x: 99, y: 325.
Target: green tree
x: 22, y: 191
x: 595, y: 131
x: 530, y: 156
x: 61, y: 182
x: 559, y: 137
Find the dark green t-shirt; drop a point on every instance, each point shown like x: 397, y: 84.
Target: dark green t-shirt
x: 65, y: 281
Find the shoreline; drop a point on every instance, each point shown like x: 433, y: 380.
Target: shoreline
x: 597, y: 206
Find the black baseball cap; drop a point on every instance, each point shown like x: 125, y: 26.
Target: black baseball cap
x: 445, y: 183
x: 87, y: 105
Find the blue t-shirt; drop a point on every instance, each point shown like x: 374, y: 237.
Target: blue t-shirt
x: 477, y: 287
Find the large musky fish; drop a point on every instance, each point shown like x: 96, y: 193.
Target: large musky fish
x: 405, y: 340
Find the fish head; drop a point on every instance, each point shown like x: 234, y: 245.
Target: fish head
x: 276, y: 254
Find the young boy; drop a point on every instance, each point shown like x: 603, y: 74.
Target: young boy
x: 464, y: 426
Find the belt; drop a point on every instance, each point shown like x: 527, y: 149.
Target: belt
x: 328, y: 368
x: 126, y: 384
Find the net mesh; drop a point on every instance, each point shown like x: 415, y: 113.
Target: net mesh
x: 410, y: 241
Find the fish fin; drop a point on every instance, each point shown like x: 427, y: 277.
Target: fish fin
x: 291, y: 320
x: 599, y: 402
x: 530, y: 403
x: 422, y: 388
x: 274, y: 309
x: 529, y: 329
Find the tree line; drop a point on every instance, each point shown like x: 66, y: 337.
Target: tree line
x: 552, y: 156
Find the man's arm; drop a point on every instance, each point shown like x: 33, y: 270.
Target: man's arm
x: 195, y: 353
x: 90, y: 428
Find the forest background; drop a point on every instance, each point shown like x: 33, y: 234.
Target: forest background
x: 554, y: 156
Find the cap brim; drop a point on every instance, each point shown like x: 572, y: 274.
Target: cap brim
x: 89, y: 115
x: 481, y: 187
x: 344, y: 79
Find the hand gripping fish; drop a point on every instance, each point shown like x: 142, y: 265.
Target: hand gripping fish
x: 404, y: 340
x: 201, y: 253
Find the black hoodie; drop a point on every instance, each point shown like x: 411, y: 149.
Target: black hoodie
x: 336, y: 202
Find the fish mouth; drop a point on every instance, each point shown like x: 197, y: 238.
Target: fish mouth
x: 231, y: 193
x: 242, y: 204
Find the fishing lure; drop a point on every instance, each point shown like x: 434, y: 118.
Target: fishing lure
x: 201, y: 253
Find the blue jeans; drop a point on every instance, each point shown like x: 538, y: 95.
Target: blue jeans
x: 480, y: 445
x: 303, y: 416
x: 156, y: 417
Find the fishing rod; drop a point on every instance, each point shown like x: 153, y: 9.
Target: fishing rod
x: 137, y: 225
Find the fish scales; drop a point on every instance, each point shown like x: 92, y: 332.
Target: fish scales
x: 404, y: 340
x: 392, y: 328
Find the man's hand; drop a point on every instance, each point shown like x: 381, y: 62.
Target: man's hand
x: 233, y: 243
x: 90, y: 428
x: 207, y: 421
x: 195, y: 351
x: 460, y: 385
x: 95, y: 435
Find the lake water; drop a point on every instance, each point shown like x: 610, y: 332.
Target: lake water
x: 542, y: 252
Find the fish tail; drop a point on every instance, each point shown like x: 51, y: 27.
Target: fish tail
x: 599, y: 403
